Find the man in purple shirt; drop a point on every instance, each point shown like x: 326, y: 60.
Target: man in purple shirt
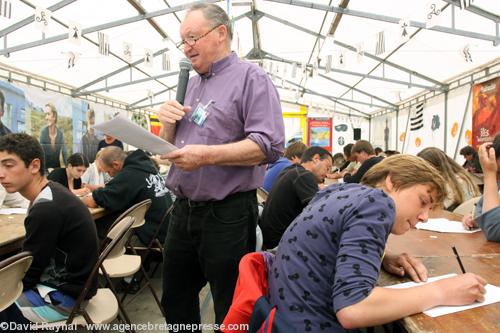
x: 230, y: 126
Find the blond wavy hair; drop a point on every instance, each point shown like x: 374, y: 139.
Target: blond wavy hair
x: 406, y: 171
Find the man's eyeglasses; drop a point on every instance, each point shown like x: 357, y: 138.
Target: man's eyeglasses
x: 191, y: 41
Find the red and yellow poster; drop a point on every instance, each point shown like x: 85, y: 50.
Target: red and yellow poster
x: 485, y: 111
x: 320, y: 132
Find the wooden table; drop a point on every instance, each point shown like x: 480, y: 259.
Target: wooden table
x: 478, y: 320
x: 478, y: 256
x: 423, y: 243
x: 12, y: 230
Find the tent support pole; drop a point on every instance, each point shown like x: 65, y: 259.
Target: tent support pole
x: 466, y: 112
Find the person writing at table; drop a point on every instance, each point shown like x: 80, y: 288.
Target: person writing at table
x: 324, y: 274
x: 70, y: 176
x: 487, y: 213
x: 229, y: 127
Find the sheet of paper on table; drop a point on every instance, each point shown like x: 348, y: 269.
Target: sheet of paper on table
x: 125, y: 130
x: 492, y: 296
x: 444, y: 225
x: 10, y: 211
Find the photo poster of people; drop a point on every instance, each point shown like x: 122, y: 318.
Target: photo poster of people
x: 61, y: 123
x: 485, y: 111
x: 320, y: 132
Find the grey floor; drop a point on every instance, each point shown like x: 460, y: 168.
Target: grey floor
x: 143, y: 309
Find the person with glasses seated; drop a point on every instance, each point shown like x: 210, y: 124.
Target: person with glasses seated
x: 228, y: 129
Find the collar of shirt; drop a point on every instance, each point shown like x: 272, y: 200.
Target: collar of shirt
x: 220, y: 65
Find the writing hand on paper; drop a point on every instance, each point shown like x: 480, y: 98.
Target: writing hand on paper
x: 404, y: 264
x: 462, y: 289
x: 468, y: 222
x: 172, y: 111
x: 189, y: 158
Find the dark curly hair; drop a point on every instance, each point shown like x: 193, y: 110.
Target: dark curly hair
x: 25, y: 146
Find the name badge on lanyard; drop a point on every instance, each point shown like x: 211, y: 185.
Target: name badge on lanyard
x: 201, y: 113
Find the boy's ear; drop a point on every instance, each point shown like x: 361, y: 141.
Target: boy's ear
x: 35, y: 166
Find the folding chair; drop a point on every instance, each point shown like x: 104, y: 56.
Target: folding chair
x: 156, y: 245
x: 12, y: 272
x: 126, y: 265
x: 103, y: 307
x: 262, y: 195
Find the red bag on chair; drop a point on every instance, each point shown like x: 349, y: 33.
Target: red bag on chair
x: 250, y: 305
x: 251, y: 284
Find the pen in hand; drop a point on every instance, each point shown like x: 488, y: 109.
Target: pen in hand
x: 458, y: 259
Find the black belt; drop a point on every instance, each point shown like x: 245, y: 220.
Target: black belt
x: 233, y: 196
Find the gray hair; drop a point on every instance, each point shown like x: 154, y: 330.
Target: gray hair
x: 215, y: 15
x: 110, y: 154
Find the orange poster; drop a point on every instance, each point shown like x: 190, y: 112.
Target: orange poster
x: 485, y: 111
x: 320, y: 132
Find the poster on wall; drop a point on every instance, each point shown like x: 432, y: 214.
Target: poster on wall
x: 59, y: 122
x: 485, y: 111
x: 320, y: 132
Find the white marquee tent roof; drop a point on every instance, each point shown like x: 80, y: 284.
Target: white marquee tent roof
x: 272, y: 31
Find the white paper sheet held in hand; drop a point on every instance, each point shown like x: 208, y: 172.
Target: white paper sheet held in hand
x: 444, y: 225
x: 125, y: 130
x: 492, y: 296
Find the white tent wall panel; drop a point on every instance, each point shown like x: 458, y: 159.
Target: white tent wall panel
x: 427, y: 137
x: 378, y: 125
x: 347, y: 136
x: 457, y: 103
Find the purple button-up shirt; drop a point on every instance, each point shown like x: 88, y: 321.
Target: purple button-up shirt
x: 242, y: 103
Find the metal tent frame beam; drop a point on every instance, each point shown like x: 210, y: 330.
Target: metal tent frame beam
x: 254, y: 16
x: 389, y: 19
x: 124, y: 68
x: 333, y: 112
x: 328, y: 97
x: 133, y: 106
x: 104, y: 26
x: 151, y: 21
x: 119, y: 70
x: 273, y: 57
x: 476, y: 10
x: 352, y: 48
x: 389, y: 104
x: 30, y: 19
x: 339, y: 98
x: 120, y: 85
